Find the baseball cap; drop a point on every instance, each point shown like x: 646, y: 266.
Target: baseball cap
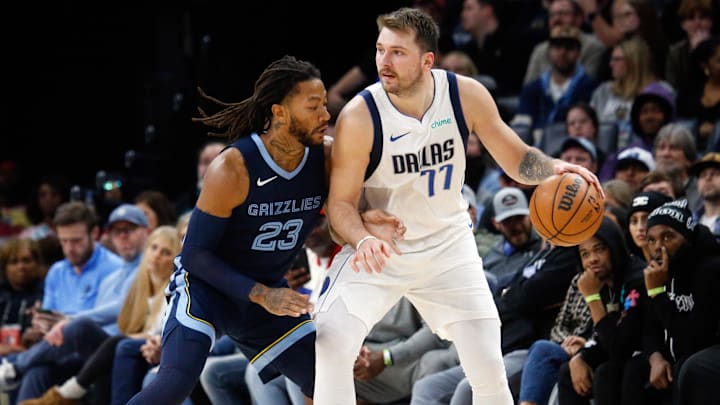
x: 636, y: 154
x: 581, y: 143
x: 711, y: 159
x: 129, y: 213
x: 508, y: 202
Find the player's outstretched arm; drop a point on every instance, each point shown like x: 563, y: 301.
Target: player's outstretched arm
x: 522, y: 162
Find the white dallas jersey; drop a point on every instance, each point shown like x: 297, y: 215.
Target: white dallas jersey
x: 417, y: 168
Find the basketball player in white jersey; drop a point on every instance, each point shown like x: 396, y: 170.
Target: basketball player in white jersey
x: 400, y: 146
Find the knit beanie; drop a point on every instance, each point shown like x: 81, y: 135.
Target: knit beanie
x: 675, y: 215
x: 647, y: 201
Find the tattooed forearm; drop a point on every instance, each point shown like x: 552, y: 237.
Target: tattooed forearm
x: 535, y: 166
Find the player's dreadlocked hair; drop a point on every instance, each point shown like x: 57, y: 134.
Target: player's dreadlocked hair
x: 254, y: 113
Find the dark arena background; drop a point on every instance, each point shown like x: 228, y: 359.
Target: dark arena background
x: 97, y: 87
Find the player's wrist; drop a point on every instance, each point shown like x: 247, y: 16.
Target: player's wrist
x: 257, y: 293
x: 363, y: 240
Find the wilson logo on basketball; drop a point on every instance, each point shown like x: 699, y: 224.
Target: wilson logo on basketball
x: 566, y: 201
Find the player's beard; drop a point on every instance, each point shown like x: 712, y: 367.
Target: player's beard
x: 402, y: 87
x: 303, y: 136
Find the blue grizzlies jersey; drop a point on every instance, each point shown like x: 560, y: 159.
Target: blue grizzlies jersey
x: 267, y: 231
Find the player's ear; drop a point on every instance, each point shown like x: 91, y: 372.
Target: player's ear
x: 429, y: 60
x: 280, y: 113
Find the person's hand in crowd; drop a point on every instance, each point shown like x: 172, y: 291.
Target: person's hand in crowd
x: 368, y: 364
x: 660, y: 372
x: 581, y: 375
x: 572, y: 344
x: 152, y: 349
x: 55, y: 335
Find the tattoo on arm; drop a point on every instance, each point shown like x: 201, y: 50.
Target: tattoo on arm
x: 257, y: 291
x: 535, y: 166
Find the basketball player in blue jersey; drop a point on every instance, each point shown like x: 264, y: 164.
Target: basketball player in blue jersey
x: 400, y: 147
x: 261, y: 197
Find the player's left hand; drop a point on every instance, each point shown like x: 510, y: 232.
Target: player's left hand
x: 371, y: 256
x: 284, y: 301
x: 385, y: 226
x: 561, y: 167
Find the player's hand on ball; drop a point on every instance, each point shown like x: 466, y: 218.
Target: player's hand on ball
x: 565, y: 167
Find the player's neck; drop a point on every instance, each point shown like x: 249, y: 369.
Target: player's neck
x: 414, y: 101
x: 284, y: 149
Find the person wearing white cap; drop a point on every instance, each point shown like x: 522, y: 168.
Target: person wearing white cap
x: 633, y: 164
x: 519, y: 242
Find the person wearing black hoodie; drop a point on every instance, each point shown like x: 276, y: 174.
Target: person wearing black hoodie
x: 683, y: 314
x: 615, y: 293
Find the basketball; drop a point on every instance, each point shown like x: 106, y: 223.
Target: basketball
x: 566, y: 210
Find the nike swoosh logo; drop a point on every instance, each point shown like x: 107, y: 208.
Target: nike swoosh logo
x: 261, y: 183
x: 394, y: 138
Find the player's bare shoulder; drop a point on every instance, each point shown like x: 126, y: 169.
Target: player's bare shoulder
x: 478, y: 106
x: 226, y: 183
x: 354, y: 125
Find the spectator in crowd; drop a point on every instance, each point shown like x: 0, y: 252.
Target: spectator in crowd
x: 618, y: 193
x: 157, y: 207
x: 547, y: 99
x: 663, y: 183
x: 52, y: 191
x: 642, y: 204
x: 71, y: 286
x: 631, y: 75
x: 128, y: 232
x: 707, y: 172
x: 681, y: 278
x: 22, y: 272
x: 628, y: 19
x: 581, y: 121
x: 497, y: 50
x: 566, y: 13
x: 613, y: 288
x: 519, y: 241
x: 674, y: 151
x: 651, y: 110
x: 696, y: 22
x: 632, y: 165
x: 459, y: 62
x: 140, y: 317
x: 701, y: 102
x: 581, y: 152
